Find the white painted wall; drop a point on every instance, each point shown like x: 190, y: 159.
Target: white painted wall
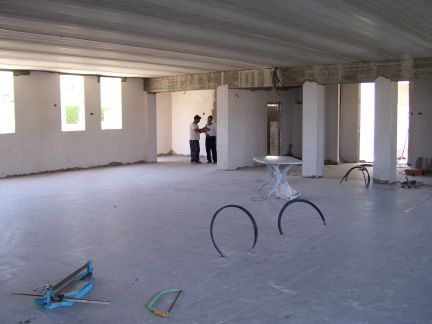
x: 164, y: 122
x: 222, y: 142
x: 297, y: 130
x: 288, y: 101
x: 248, y: 126
x: 40, y: 145
x: 331, y: 149
x: 385, y: 131
x: 185, y: 105
x: 244, y: 119
x: 291, y: 121
x: 349, y: 122
x: 420, y: 130
x: 242, y: 125
x: 313, y: 129
x: 150, y: 133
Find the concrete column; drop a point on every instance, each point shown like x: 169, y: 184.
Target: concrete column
x: 420, y: 120
x: 349, y: 122
x: 385, y: 131
x: 164, y: 122
x: 241, y: 126
x: 313, y: 129
x: 150, y: 134
x: 222, y: 127
x: 332, y: 104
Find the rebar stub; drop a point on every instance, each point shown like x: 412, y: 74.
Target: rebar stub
x: 296, y: 201
x: 246, y: 212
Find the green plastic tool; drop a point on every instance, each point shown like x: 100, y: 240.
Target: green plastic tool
x: 152, y: 303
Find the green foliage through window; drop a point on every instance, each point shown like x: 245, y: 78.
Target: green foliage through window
x: 72, y: 115
x: 104, y: 111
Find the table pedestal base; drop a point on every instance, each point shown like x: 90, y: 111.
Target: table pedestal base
x: 281, y: 188
x: 285, y: 191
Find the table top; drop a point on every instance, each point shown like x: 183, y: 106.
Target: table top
x: 279, y: 160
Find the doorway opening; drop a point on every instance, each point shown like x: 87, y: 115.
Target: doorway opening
x: 274, y: 128
x: 367, y: 122
x: 402, y: 122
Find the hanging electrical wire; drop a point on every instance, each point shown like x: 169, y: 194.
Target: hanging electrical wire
x: 276, y: 82
x: 402, y: 157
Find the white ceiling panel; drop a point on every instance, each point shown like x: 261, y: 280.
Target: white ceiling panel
x: 148, y: 38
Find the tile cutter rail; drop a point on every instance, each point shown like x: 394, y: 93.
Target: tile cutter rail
x: 67, y: 291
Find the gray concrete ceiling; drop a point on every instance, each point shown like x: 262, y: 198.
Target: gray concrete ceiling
x: 149, y: 38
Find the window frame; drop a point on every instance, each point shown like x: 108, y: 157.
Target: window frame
x: 111, y: 103
x: 9, y: 126
x: 69, y: 98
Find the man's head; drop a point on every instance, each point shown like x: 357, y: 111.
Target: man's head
x: 197, y: 119
x: 209, y: 120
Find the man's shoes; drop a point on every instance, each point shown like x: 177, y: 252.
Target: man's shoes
x: 209, y: 161
x: 198, y: 162
x: 214, y: 162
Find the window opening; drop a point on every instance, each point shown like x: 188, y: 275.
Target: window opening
x: 72, y: 103
x: 7, y: 103
x: 111, y: 103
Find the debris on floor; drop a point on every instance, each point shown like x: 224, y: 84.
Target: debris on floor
x: 414, y: 172
x: 410, y: 184
x: 27, y: 321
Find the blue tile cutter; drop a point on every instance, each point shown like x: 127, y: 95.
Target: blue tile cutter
x: 68, y: 291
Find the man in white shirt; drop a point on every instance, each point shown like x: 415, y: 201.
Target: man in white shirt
x: 210, y: 142
x: 194, y: 138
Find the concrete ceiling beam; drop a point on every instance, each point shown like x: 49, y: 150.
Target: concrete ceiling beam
x: 400, y: 70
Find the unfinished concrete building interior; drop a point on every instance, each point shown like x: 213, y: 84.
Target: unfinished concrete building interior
x: 104, y: 219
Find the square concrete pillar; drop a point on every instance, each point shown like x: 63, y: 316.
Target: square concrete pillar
x: 349, y: 123
x: 332, y: 127
x: 164, y: 122
x: 385, y: 131
x: 313, y: 129
x: 150, y: 134
x: 222, y: 127
x: 241, y: 126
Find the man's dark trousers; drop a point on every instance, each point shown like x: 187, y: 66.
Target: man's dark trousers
x: 211, y: 148
x: 195, y: 150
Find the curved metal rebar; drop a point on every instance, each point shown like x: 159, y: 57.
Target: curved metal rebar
x: 368, y: 177
x: 362, y: 168
x: 246, y: 212
x: 296, y: 201
x: 364, y: 176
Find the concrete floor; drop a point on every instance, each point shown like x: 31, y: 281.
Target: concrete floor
x: 146, y: 227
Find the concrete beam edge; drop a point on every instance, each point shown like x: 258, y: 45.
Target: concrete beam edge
x: 358, y: 72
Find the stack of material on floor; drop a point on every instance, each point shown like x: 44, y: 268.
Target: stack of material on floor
x: 422, y: 167
x: 422, y: 163
x: 409, y: 184
x: 414, y: 172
